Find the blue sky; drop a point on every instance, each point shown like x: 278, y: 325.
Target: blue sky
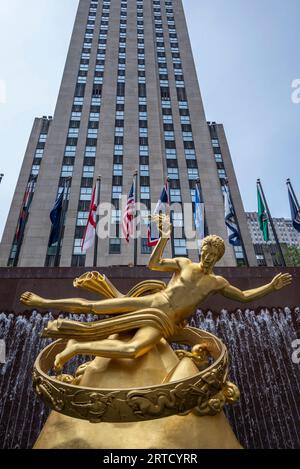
x: 246, y: 55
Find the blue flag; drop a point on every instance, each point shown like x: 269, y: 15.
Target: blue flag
x: 199, y: 215
x: 162, y: 206
x: 232, y: 228
x: 295, y: 212
x: 55, y: 217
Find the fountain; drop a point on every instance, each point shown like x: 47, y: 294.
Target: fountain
x: 259, y: 343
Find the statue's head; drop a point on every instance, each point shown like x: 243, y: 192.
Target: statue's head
x: 213, y: 249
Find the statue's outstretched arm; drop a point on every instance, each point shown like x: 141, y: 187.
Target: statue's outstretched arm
x: 157, y: 263
x: 280, y: 281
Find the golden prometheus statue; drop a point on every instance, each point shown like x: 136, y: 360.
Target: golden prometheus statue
x: 148, y: 317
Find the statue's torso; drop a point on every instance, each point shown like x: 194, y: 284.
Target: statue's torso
x: 190, y: 287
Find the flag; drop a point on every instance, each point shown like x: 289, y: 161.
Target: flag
x: 262, y: 216
x: 55, y: 217
x: 128, y: 217
x: 295, y: 212
x: 25, y: 207
x: 232, y: 228
x: 199, y: 216
x: 161, y: 207
x: 90, y: 229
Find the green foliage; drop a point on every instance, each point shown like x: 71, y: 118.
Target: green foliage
x: 292, y: 256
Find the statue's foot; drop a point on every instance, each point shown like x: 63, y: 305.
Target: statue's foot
x: 63, y: 357
x: 30, y: 299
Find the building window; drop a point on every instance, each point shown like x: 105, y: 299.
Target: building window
x: 114, y: 246
x: 177, y: 219
x: 85, y: 193
x: 82, y: 218
x: 67, y: 171
x: 171, y: 153
x: 77, y: 247
x: 215, y: 142
x: 222, y: 173
x: 88, y: 171
x: 116, y: 192
x: 175, y: 195
x: 145, y: 249
x: 118, y: 150
x: 193, y: 173
x: 90, y: 152
x: 73, y: 132
x: 144, y: 151
x: 190, y: 154
x: 35, y: 169
x: 145, y: 192
x: 94, y: 116
x: 173, y: 173
x: 115, y: 216
x: 118, y: 170
x: 180, y: 247
x: 92, y: 133
x: 43, y: 138
x: 144, y: 170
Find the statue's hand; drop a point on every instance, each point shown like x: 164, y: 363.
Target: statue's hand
x: 163, y: 224
x: 281, y: 281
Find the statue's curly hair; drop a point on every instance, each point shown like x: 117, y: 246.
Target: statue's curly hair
x: 216, y: 241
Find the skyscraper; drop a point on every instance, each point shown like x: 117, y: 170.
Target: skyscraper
x: 129, y: 100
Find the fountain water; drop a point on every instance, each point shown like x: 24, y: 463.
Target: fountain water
x: 259, y: 343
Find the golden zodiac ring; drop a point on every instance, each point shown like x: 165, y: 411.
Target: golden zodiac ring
x: 206, y: 392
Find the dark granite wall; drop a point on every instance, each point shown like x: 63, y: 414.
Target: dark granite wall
x: 58, y: 283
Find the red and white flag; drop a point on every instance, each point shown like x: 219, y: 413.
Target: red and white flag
x: 90, y: 229
x: 128, y: 218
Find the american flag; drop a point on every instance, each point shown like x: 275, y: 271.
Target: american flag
x: 128, y: 218
x: 25, y: 207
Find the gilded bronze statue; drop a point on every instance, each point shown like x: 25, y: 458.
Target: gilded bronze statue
x: 153, y: 316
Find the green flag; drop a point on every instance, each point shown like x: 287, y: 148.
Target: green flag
x: 262, y: 216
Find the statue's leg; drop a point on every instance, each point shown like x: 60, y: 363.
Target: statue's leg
x: 69, y: 305
x: 80, y: 305
x: 142, y: 341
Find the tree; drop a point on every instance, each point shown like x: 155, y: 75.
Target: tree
x: 292, y: 256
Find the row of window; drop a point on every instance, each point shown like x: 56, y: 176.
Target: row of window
x: 35, y: 168
x: 88, y: 170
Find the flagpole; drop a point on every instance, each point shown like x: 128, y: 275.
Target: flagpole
x: 289, y: 184
x: 61, y: 221
x: 135, y: 255
x: 238, y: 225
x: 171, y: 219
x: 98, y: 188
x: 260, y: 188
x: 16, y: 259
x: 197, y: 188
